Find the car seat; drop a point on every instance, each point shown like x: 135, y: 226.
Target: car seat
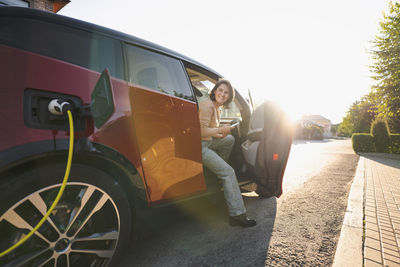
x: 249, y: 147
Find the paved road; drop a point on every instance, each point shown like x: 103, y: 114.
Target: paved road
x: 309, y: 217
x: 308, y: 158
x: 197, y: 233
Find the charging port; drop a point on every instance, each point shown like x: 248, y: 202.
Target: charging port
x: 37, y: 115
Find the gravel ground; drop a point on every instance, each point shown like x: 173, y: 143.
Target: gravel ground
x: 308, y: 221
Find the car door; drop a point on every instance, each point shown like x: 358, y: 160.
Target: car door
x: 166, y: 124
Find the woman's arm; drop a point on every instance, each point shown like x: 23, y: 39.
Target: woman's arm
x: 208, y: 119
x: 206, y: 113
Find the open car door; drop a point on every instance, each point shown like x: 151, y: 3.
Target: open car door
x: 166, y: 125
x: 267, y: 149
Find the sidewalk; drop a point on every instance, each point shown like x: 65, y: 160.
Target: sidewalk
x: 375, y: 194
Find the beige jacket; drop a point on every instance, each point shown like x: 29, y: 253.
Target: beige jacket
x: 209, y: 119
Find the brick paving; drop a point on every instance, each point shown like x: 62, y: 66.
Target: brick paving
x: 382, y: 210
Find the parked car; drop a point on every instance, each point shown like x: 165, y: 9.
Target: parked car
x: 135, y: 109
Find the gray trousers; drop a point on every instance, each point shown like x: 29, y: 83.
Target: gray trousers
x: 215, y: 155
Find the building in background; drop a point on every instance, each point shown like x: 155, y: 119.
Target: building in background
x: 319, y: 120
x: 48, y: 5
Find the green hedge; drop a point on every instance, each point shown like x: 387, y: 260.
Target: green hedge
x: 381, y: 135
x: 395, y: 146
x: 363, y: 142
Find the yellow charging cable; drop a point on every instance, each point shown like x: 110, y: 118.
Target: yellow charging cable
x: 60, y: 192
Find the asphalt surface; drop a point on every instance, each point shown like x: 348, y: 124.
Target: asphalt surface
x: 300, y: 228
x: 309, y: 219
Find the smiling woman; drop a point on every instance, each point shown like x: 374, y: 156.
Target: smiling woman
x: 217, y: 145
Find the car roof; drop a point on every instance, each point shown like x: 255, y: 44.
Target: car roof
x: 13, y: 11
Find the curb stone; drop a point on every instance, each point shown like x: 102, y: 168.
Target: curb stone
x: 349, y: 248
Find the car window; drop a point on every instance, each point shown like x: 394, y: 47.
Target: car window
x: 83, y: 48
x: 204, y: 84
x: 232, y: 112
x: 158, y: 72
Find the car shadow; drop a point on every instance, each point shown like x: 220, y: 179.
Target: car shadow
x: 197, y: 233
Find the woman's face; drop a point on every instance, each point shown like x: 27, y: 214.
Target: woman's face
x: 221, y: 94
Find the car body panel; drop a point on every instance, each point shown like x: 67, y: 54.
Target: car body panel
x: 168, y: 132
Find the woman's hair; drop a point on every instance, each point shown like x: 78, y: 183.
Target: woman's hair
x: 231, y: 92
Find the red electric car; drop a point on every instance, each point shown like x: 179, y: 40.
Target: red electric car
x: 137, y: 136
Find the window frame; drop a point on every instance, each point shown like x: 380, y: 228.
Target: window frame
x: 238, y: 98
x: 125, y: 46
x: 197, y: 68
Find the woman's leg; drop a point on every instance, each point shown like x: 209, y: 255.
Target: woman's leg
x: 225, y: 172
x: 223, y: 146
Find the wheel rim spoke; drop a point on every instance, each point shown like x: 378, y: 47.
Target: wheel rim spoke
x: 53, y: 257
x: 13, y: 218
x: 98, y: 206
x: 47, y: 261
x: 87, y: 193
x: 67, y: 259
x: 101, y: 253
x: 26, y: 258
x: 113, y: 235
x: 43, y: 264
x: 39, y: 203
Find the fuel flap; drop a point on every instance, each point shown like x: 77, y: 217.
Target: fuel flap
x: 273, y: 151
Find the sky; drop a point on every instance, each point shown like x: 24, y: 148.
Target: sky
x: 309, y: 56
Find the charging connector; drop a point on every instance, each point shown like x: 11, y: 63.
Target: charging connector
x: 59, y: 107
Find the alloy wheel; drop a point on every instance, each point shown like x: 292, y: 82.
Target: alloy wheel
x: 83, y: 229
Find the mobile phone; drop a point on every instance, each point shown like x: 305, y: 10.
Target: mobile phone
x: 235, y: 124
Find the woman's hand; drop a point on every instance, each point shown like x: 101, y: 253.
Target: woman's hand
x: 224, y: 130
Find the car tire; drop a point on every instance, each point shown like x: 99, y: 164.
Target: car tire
x: 90, y: 225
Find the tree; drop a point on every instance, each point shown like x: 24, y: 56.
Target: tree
x: 386, y: 68
x: 359, y: 117
x: 334, y: 129
x: 381, y: 135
